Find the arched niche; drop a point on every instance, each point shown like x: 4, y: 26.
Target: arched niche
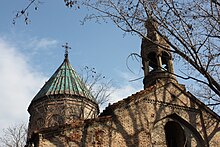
x: 40, y: 123
x: 55, y: 120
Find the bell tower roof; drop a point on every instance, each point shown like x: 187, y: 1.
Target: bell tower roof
x: 65, y: 81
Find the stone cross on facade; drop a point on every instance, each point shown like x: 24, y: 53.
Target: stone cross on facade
x: 66, y: 49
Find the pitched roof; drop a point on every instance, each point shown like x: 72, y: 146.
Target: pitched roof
x: 110, y: 109
x: 65, y: 81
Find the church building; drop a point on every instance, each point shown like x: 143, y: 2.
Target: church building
x: 65, y: 114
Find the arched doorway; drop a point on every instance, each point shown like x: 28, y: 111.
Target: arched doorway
x: 175, y: 136
x: 174, y: 127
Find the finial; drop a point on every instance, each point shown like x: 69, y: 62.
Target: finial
x: 66, y: 49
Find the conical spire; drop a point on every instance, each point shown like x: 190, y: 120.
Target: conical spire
x: 65, y: 81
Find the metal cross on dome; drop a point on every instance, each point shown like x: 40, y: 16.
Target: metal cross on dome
x: 66, y: 49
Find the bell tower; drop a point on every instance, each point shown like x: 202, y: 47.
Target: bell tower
x: 156, y: 57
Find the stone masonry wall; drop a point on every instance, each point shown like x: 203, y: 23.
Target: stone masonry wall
x: 140, y: 120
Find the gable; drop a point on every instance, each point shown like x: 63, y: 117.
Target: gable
x: 152, y: 108
x: 169, y: 95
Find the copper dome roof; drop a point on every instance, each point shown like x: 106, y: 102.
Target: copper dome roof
x: 65, y: 81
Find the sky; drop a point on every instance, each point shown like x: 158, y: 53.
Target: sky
x: 30, y: 54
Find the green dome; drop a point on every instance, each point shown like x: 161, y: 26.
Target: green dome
x: 65, y: 81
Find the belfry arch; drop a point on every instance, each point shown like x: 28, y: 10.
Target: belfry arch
x: 166, y: 61
x: 153, y: 61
